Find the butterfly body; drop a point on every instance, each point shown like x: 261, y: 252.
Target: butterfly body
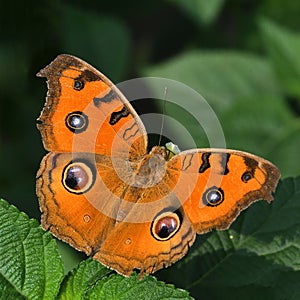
x: 103, y: 193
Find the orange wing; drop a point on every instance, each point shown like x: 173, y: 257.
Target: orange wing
x: 83, y: 212
x: 85, y: 112
x: 91, y: 130
x: 109, y: 216
x: 149, y: 245
x: 214, y: 185
x: 201, y: 189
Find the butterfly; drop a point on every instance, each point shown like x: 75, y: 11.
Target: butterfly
x: 104, y: 193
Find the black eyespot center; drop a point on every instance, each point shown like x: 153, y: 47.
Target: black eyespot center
x: 78, y: 84
x: 213, y: 196
x: 165, y: 226
x: 246, y: 176
x: 78, y: 177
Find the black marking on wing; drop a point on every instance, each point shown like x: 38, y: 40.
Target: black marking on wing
x: 128, y: 131
x: 224, y: 163
x: 49, y: 175
x: 250, y: 163
x: 87, y: 75
x: 187, y: 161
x: 117, y: 115
x: 205, y: 162
x: 107, y: 98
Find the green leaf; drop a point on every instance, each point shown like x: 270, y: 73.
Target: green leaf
x: 78, y: 282
x: 283, y: 47
x: 30, y: 266
x: 220, y: 77
x: 99, y: 39
x: 265, y: 126
x: 286, y: 148
x: 93, y: 281
x: 202, y: 12
x: 259, y: 256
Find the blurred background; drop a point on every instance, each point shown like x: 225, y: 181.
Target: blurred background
x: 242, y: 56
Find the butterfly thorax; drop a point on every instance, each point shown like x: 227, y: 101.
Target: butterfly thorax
x: 151, y: 168
x: 159, y: 150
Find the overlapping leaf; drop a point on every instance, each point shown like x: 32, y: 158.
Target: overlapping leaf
x: 30, y: 266
x: 93, y: 281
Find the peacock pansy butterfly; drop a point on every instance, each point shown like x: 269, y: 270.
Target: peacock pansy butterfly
x: 104, y: 194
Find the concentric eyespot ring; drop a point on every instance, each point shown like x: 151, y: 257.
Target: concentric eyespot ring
x: 247, y: 176
x: 165, y: 225
x: 77, y: 121
x: 213, y: 196
x: 78, y: 84
x: 78, y: 177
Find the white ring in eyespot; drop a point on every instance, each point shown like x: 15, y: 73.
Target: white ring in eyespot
x: 77, y: 177
x: 213, y: 196
x: 165, y: 225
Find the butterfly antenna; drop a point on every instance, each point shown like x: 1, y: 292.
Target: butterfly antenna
x: 163, y: 116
